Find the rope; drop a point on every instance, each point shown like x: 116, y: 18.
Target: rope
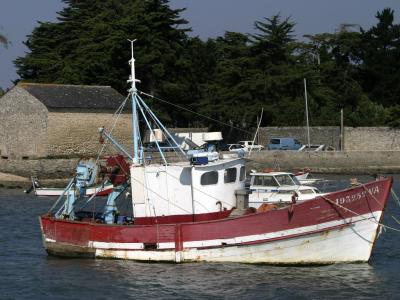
x: 393, y: 194
x: 196, y: 113
x: 395, y: 197
x: 364, y: 218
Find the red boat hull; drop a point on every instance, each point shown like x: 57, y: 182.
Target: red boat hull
x: 349, y: 218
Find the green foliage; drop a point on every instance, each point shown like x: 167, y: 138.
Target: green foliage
x: 380, y: 55
x: 229, y: 78
x: 394, y: 116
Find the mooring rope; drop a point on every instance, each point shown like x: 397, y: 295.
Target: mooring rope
x: 395, y: 197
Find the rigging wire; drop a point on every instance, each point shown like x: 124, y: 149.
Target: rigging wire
x: 196, y: 113
x: 116, y: 116
x: 160, y: 125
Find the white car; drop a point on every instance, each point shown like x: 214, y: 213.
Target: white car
x: 236, y: 148
x: 249, y: 145
x: 312, y: 147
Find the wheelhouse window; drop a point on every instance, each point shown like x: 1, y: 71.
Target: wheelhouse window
x: 284, y: 180
x: 295, y: 180
x: 230, y: 175
x: 270, y: 181
x: 242, y: 174
x: 209, y: 178
x: 265, y: 181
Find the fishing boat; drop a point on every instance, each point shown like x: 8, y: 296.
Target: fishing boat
x: 197, y: 210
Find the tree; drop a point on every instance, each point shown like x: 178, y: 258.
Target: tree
x: 278, y: 77
x: 229, y: 78
x: 380, y: 53
x: 88, y: 45
x: 274, y: 38
x: 229, y: 90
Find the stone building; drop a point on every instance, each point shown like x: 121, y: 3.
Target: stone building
x: 51, y: 120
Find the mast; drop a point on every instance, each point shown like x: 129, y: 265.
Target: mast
x: 308, y: 125
x: 133, y: 92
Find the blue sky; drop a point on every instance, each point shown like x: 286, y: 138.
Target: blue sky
x: 208, y: 18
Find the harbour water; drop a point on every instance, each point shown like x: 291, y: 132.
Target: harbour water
x: 27, y: 272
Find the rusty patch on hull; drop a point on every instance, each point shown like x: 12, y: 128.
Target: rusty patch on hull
x: 65, y: 250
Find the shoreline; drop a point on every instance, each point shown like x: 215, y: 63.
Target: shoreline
x: 10, y: 181
x: 16, y: 174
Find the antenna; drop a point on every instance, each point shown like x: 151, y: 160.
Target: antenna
x: 135, y: 124
x: 132, y: 78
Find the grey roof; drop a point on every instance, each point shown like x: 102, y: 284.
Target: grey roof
x: 74, y: 96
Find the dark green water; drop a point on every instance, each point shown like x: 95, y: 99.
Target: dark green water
x: 26, y: 272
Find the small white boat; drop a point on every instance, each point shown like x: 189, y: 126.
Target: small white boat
x: 278, y: 187
x: 305, y: 178
x: 99, y: 191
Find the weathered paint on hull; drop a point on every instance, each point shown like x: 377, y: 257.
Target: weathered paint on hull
x: 313, y: 232
x: 317, y: 247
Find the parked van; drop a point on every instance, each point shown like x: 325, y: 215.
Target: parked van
x: 283, y: 144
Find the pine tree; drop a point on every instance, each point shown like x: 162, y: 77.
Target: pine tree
x: 380, y: 54
x: 88, y: 45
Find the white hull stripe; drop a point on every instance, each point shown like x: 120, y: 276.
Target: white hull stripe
x: 127, y: 246
x: 246, y: 240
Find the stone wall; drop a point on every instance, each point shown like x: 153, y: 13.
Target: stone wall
x: 40, y: 168
x: 347, y: 162
x: 327, y: 135
x: 75, y: 133
x: 360, y: 138
x: 23, y: 125
x: 372, y: 138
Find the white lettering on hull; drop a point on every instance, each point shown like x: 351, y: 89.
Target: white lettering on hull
x: 357, y: 196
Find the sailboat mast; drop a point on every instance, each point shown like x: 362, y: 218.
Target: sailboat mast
x: 135, y: 124
x: 308, y: 125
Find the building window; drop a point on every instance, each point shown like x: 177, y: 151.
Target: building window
x: 230, y: 175
x: 242, y: 175
x: 209, y: 178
